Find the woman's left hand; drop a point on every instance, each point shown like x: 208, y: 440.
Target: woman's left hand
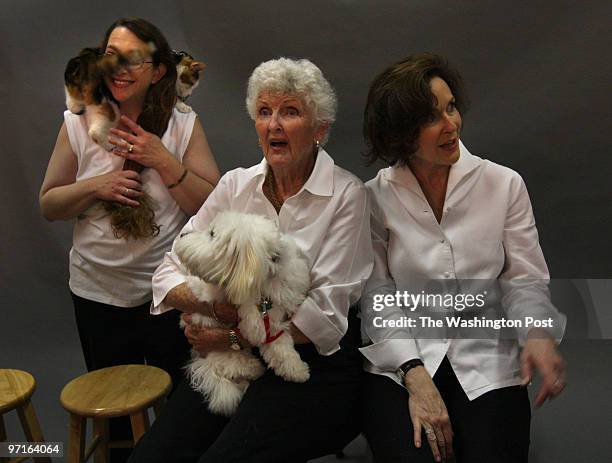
x: 146, y: 148
x: 540, y: 352
x: 205, y: 340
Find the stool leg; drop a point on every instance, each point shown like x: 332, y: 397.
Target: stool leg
x: 76, y: 439
x: 2, y: 429
x: 140, y: 424
x: 100, y: 429
x: 31, y: 427
x: 157, y: 407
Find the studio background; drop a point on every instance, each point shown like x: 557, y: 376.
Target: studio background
x: 538, y: 74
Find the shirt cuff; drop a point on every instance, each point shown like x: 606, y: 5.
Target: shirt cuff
x: 318, y: 327
x: 165, y: 278
x: 390, y: 354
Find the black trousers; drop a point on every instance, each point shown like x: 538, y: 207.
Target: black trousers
x: 117, y: 336
x: 277, y: 421
x: 493, y: 428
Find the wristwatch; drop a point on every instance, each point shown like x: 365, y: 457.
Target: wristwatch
x: 407, y: 366
x: 233, y: 337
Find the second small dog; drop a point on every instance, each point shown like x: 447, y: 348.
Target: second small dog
x: 86, y: 93
x: 244, y: 259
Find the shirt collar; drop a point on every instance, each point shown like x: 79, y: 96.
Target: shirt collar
x: 466, y: 163
x: 321, y: 180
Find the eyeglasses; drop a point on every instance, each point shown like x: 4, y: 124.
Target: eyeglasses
x: 132, y: 64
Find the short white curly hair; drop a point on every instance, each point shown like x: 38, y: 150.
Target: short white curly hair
x: 301, y: 78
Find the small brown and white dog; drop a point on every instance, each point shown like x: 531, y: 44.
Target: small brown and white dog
x: 187, y: 78
x: 244, y: 259
x: 86, y: 92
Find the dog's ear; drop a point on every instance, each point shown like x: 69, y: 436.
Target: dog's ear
x: 191, y: 253
x: 244, y: 276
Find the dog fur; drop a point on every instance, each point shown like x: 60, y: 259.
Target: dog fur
x: 187, y: 78
x: 84, y: 87
x: 243, y: 258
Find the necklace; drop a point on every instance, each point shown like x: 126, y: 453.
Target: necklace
x: 270, y: 192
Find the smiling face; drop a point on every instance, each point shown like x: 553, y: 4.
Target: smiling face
x: 128, y: 85
x: 438, y: 140
x: 287, y: 131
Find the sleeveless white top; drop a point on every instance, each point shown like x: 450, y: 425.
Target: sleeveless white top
x: 113, y: 270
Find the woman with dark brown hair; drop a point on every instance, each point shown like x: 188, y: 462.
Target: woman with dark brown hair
x: 444, y: 218
x: 158, y: 151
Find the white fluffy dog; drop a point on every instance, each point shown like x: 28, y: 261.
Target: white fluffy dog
x: 245, y: 259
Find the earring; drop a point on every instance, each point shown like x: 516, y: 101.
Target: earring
x: 317, y: 144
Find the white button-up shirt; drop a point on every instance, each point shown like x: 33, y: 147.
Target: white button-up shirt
x: 487, y: 232
x: 329, y: 218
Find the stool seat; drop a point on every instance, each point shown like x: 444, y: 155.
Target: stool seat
x: 16, y: 387
x: 107, y: 393
x: 115, y: 391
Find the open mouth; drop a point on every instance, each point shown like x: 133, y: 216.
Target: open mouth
x: 120, y: 83
x: 278, y: 144
x: 450, y: 145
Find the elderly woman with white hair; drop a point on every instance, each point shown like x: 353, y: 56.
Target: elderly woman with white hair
x: 325, y: 209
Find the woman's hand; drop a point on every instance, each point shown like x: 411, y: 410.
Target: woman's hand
x: 205, y: 340
x: 146, y: 148
x: 121, y: 186
x: 428, y: 411
x: 540, y: 351
x: 223, y: 312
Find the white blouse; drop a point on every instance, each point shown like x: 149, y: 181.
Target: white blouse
x: 487, y: 232
x: 329, y: 218
x: 113, y: 270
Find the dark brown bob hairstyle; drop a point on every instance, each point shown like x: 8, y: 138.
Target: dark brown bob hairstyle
x: 400, y: 103
x: 161, y: 96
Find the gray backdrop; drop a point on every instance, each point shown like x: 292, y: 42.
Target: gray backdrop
x: 539, y: 77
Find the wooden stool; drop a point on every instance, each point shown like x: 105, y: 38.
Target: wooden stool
x: 16, y: 388
x: 110, y: 392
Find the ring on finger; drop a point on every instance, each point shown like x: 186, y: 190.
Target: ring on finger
x: 130, y: 148
x: 431, y: 435
x: 126, y: 191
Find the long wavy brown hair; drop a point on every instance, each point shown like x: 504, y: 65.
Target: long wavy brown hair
x: 139, y: 222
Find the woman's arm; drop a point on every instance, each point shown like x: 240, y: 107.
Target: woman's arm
x: 343, y: 263
x: 63, y: 198
x: 189, y: 191
x: 524, y: 282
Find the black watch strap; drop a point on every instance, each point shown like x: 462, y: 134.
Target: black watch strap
x: 407, y: 366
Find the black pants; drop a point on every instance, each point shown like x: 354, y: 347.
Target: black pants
x: 493, y: 428
x: 117, y: 336
x: 277, y: 421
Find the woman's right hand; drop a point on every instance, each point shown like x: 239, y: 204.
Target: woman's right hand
x: 428, y: 412
x: 122, y: 186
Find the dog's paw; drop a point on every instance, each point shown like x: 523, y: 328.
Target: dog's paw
x: 225, y: 400
x: 252, y: 327
x: 183, y: 107
x: 295, y: 371
x: 100, y: 137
